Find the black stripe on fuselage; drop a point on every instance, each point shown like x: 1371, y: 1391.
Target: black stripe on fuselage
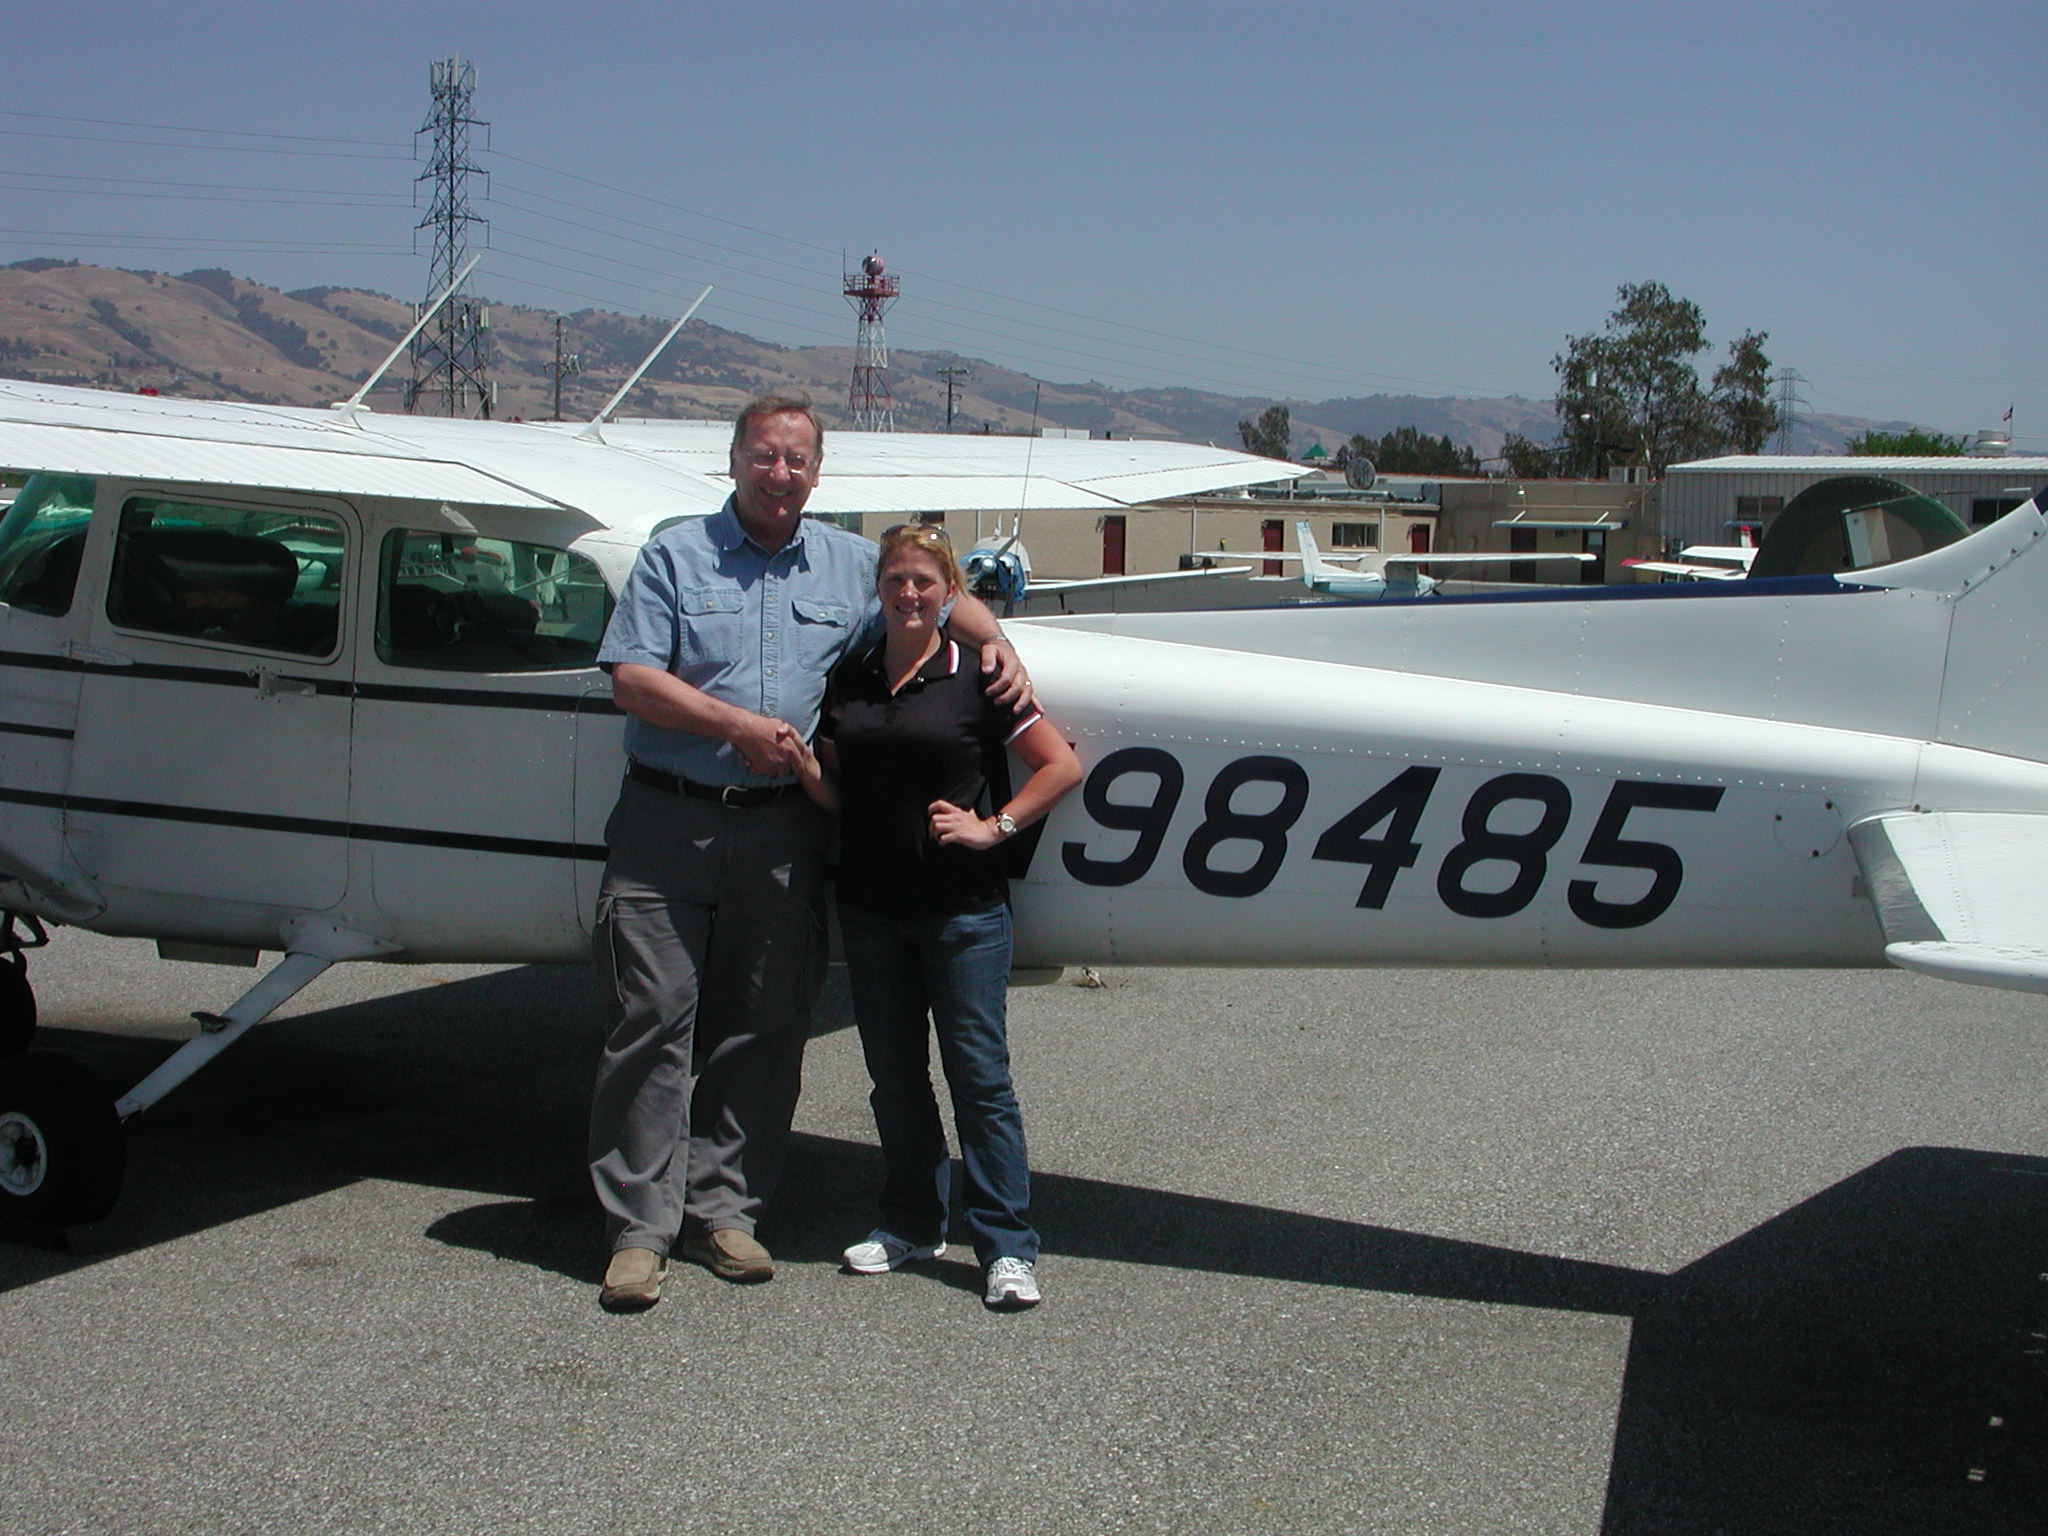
x: 307, y: 826
x: 54, y: 732
x: 245, y: 677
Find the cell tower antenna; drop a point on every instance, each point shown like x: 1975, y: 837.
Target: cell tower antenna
x: 870, y: 291
x: 1788, y: 403
x: 451, y: 357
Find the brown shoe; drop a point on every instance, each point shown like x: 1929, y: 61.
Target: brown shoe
x: 730, y: 1254
x: 632, y: 1281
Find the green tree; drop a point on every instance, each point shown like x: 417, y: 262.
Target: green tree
x: 1270, y: 435
x: 1408, y: 451
x: 1742, y: 395
x: 1913, y: 444
x: 1631, y: 394
x: 1527, y: 459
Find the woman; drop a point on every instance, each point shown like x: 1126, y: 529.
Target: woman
x: 910, y: 749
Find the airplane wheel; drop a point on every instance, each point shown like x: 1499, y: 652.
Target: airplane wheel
x: 60, y: 1142
x: 17, y: 1007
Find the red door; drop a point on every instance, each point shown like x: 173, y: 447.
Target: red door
x: 1113, y: 544
x: 1271, y: 531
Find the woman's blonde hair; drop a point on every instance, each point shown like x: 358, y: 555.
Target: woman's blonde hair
x: 926, y: 539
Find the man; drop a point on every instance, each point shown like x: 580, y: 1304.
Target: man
x: 710, y: 939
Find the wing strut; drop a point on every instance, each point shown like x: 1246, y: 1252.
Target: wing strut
x: 311, y: 947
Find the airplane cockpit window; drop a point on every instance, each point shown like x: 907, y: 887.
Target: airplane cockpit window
x: 269, y: 580
x: 461, y: 602
x: 42, y: 536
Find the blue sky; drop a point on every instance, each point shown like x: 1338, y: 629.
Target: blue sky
x: 1291, y: 200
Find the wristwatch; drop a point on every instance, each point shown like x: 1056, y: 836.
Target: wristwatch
x: 1005, y: 828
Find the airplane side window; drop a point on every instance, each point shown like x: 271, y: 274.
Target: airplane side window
x: 42, y: 536
x: 268, y: 580
x: 462, y: 602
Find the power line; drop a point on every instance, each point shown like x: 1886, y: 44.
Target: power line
x: 239, y: 133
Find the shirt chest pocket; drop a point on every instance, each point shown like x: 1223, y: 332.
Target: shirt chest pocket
x: 819, y: 632
x: 712, y: 628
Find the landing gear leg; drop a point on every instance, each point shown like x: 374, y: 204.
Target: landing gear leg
x: 17, y: 997
x: 60, y: 1132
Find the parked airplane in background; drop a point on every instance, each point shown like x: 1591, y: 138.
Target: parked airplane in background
x: 998, y: 569
x: 1391, y: 574
x: 321, y: 685
x: 1703, y: 562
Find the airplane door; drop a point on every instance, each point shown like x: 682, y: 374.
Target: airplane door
x: 211, y: 756
x: 466, y: 751
x: 43, y: 535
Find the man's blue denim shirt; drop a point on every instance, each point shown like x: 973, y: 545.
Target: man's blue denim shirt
x: 754, y: 630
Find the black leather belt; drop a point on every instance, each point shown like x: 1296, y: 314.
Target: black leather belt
x: 724, y: 794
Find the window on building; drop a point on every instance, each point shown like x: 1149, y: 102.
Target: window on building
x: 266, y: 578
x: 1754, y: 509
x: 41, y: 539
x: 1354, y: 535
x: 459, y: 602
x: 1989, y: 509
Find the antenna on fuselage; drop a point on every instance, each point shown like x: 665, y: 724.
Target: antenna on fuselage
x: 593, y: 429
x: 354, y: 403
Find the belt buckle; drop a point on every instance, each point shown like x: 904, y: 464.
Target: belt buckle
x: 729, y: 795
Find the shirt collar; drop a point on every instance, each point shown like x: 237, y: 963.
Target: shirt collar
x: 943, y: 662
x: 729, y: 534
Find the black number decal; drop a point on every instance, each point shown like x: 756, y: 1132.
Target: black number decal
x: 1266, y: 828
x: 1399, y: 803
x: 1525, y: 850
x: 1606, y: 846
x: 1148, y: 819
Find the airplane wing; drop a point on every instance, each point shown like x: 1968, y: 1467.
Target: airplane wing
x: 1407, y: 563
x: 1054, y: 584
x: 1961, y: 895
x: 1683, y: 568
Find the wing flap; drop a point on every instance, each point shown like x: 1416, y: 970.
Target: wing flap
x: 1962, y: 895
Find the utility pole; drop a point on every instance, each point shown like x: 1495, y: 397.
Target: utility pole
x: 450, y: 358
x: 952, y: 375
x: 1788, y: 381
x: 562, y: 366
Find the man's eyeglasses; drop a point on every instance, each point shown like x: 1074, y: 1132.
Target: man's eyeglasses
x: 764, y: 458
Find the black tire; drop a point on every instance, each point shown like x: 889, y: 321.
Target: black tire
x: 17, y: 1007
x: 60, y: 1142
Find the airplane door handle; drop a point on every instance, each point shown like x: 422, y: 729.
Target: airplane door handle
x: 270, y: 686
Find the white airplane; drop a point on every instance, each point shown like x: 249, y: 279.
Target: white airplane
x: 320, y: 685
x: 1703, y: 562
x: 998, y: 569
x: 1388, y: 574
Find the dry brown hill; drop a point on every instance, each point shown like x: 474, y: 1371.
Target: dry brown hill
x: 208, y: 333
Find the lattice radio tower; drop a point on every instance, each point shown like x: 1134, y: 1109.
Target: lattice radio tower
x: 450, y: 358
x: 870, y: 292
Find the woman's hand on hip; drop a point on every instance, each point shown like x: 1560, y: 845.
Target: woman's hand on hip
x: 951, y: 824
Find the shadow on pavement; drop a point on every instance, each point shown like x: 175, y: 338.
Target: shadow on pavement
x: 1869, y: 1361
x: 1837, y: 1369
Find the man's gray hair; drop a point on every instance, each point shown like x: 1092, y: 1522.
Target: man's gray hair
x: 779, y: 405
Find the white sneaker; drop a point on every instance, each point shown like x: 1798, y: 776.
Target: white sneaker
x: 884, y: 1251
x: 1012, y: 1286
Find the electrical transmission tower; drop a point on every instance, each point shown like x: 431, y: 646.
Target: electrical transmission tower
x: 870, y: 293
x: 450, y: 358
x: 952, y: 376
x: 1788, y: 381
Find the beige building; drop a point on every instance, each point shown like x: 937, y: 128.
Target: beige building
x: 1613, y: 520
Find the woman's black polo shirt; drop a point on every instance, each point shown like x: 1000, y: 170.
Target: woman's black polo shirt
x: 940, y: 738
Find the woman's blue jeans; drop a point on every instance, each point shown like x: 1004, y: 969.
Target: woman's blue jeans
x: 910, y: 976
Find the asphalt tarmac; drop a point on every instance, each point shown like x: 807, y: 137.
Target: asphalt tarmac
x: 1406, y: 1251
